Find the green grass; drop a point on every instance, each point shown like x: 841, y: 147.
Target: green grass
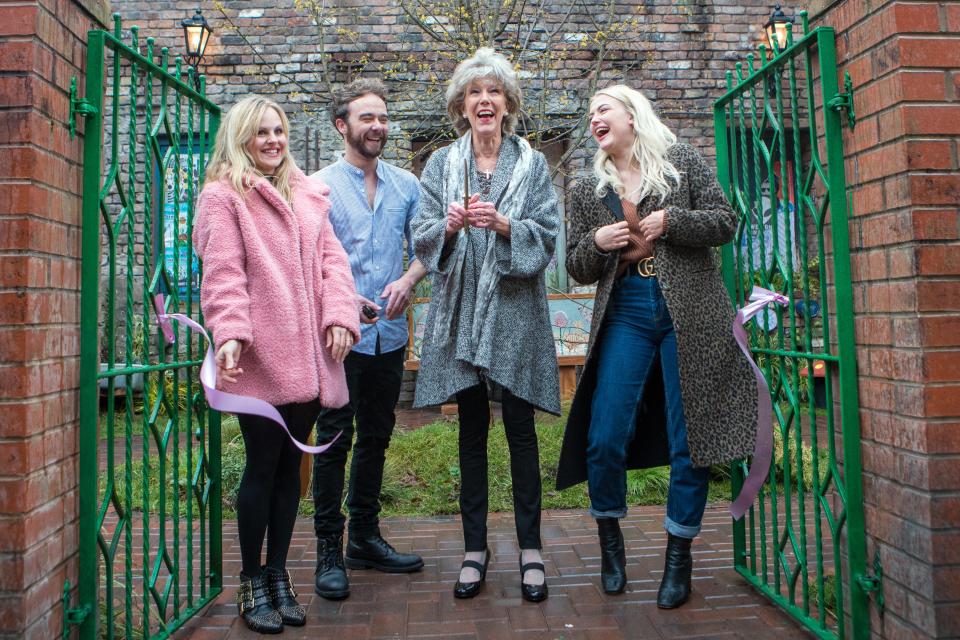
x: 422, y: 474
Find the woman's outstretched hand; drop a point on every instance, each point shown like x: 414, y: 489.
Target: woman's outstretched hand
x: 228, y: 360
x: 339, y: 342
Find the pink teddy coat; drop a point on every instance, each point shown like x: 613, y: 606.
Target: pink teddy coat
x: 275, y: 277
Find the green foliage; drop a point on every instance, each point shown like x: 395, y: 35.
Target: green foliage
x: 829, y: 596
x: 174, y: 392
x: 805, y: 475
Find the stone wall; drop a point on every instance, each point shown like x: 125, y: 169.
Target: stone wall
x: 677, y: 52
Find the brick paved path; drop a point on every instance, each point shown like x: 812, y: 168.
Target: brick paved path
x: 421, y: 605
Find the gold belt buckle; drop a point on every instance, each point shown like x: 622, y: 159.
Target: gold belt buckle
x: 645, y: 268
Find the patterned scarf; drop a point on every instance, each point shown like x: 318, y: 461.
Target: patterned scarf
x: 510, y: 207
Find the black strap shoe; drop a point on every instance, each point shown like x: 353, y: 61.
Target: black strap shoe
x: 533, y: 592
x: 463, y: 590
x: 613, y: 557
x: 330, y: 579
x: 371, y: 551
x: 284, y: 597
x: 677, y: 571
x: 256, y: 607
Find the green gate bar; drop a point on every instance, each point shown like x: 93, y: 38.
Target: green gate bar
x: 126, y: 201
x: 805, y: 535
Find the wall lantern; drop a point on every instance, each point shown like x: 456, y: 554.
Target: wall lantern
x: 776, y: 28
x: 196, y: 34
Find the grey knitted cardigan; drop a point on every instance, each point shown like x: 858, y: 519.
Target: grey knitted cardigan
x: 518, y: 354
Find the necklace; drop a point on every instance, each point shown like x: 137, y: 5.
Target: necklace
x: 485, y: 165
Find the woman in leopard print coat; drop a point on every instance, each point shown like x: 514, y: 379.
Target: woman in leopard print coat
x: 664, y: 381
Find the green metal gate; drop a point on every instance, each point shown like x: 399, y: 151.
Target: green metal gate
x: 150, y: 494
x: 780, y: 159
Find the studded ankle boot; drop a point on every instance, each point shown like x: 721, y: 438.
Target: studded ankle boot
x: 285, y: 598
x: 256, y: 607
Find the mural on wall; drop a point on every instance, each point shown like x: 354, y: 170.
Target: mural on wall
x: 181, y: 264
x: 570, y: 318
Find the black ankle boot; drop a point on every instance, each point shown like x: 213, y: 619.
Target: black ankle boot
x: 371, y: 551
x: 330, y: 580
x: 675, y: 586
x: 256, y: 607
x: 613, y: 557
x: 285, y: 598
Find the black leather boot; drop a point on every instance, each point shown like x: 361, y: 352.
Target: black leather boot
x: 330, y: 579
x: 256, y: 607
x: 285, y: 598
x: 613, y: 557
x: 371, y: 551
x: 675, y: 586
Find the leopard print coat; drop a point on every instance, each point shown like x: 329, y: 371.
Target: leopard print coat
x: 716, y: 383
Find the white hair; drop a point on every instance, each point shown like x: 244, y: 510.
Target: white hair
x: 485, y: 63
x: 651, y: 140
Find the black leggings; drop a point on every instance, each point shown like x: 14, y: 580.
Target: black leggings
x: 269, y: 491
x: 518, y: 422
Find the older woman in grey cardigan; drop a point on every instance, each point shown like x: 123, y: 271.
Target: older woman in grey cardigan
x: 488, y: 333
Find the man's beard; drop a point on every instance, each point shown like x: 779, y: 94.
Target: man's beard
x: 362, y: 146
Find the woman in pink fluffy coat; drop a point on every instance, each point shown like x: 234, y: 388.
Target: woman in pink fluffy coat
x: 278, y: 294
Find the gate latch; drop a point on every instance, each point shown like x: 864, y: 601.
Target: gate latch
x: 844, y: 101
x: 874, y: 584
x: 78, y: 106
x: 74, y: 616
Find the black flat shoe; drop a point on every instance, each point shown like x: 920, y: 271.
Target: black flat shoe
x: 463, y: 590
x: 533, y: 592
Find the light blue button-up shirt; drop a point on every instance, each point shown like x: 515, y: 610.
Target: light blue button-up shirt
x: 373, y: 239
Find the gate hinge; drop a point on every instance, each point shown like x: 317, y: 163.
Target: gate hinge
x: 844, y: 101
x: 74, y: 616
x: 874, y: 583
x: 78, y: 106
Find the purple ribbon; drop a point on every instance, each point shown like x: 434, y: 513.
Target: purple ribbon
x: 221, y: 400
x: 763, y: 449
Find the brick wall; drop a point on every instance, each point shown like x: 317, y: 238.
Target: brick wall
x: 904, y: 58
x: 42, y: 44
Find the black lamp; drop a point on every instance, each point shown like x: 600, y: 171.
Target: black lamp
x: 196, y: 34
x: 776, y: 28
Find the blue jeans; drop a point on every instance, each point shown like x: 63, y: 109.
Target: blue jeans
x: 637, y: 326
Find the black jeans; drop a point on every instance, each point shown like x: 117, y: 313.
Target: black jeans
x: 374, y: 385
x: 474, y: 410
x: 269, y: 491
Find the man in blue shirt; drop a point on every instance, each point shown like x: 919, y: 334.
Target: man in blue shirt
x: 373, y: 204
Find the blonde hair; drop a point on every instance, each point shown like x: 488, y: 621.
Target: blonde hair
x: 230, y: 157
x: 651, y: 140
x: 485, y: 63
